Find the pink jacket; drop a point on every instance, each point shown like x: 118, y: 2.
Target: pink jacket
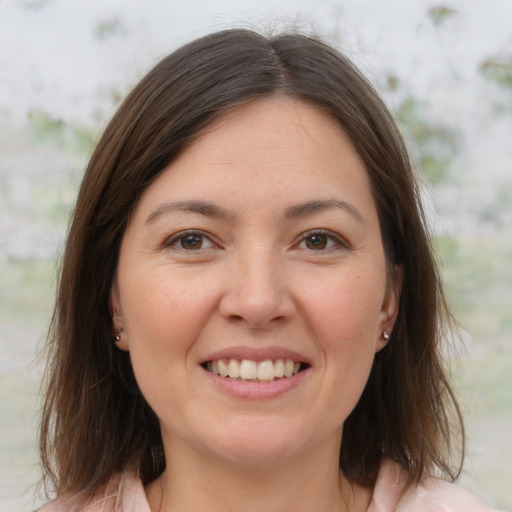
x: 391, y: 494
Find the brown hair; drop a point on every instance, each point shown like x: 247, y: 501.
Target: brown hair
x: 95, y: 420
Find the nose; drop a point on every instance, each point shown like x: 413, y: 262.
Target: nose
x: 257, y: 293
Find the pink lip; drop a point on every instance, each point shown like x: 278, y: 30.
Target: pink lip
x: 256, y: 354
x: 257, y: 390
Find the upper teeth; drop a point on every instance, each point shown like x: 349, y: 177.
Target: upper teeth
x: 251, y: 370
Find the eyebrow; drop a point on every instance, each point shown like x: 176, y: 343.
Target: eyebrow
x: 194, y: 206
x: 212, y: 210
x: 301, y: 210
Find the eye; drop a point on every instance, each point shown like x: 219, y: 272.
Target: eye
x: 190, y: 241
x: 319, y: 241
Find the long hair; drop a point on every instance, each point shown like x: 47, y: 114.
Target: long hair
x: 95, y: 421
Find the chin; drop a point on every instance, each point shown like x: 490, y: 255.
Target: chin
x: 256, y: 444
x: 259, y: 455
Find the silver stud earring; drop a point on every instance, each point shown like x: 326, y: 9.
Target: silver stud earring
x: 385, y: 335
x: 117, y: 337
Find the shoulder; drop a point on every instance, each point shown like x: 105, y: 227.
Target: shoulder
x: 123, y: 493
x: 438, y: 495
x: 393, y: 493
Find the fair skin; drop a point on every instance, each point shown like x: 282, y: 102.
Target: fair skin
x: 259, y: 244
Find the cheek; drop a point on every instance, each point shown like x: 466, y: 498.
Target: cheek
x: 346, y: 307
x: 162, y: 310
x: 162, y: 321
x: 161, y: 324
x: 344, y: 315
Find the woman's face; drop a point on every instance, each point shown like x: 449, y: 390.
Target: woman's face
x: 256, y: 253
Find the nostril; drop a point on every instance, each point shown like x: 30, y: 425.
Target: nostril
x: 258, y: 300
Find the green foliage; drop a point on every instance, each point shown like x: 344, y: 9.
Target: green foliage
x: 485, y: 381
x: 84, y: 138
x: 117, y: 96
x: 447, y: 248
x: 478, y: 281
x: 498, y: 71
x: 26, y: 289
x: 107, y: 28
x: 46, y: 128
x: 393, y: 82
x: 49, y: 130
x: 55, y: 201
x: 436, y: 144
x: 440, y: 14
x: 488, y: 381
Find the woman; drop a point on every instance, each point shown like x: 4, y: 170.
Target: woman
x: 249, y: 313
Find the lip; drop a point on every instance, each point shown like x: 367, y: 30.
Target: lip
x: 256, y: 354
x: 256, y: 390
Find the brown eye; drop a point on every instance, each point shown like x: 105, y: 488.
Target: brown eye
x: 191, y: 242
x: 319, y: 242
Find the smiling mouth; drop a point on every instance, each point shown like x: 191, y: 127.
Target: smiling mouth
x: 252, y: 371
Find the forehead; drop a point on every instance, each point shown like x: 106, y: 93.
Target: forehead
x: 276, y: 149
x: 270, y: 127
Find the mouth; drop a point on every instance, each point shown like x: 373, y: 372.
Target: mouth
x: 248, y: 370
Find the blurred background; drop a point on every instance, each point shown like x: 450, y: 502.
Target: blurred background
x: 443, y: 67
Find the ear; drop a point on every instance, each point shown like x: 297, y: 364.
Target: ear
x: 117, y: 317
x: 390, y: 306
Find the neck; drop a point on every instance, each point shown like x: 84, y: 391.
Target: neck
x: 194, y: 482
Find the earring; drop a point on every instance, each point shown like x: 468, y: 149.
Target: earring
x: 117, y: 337
x: 385, y: 335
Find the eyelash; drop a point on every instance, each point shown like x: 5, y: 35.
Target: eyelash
x: 332, y: 241
x: 336, y: 241
x: 182, y: 235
